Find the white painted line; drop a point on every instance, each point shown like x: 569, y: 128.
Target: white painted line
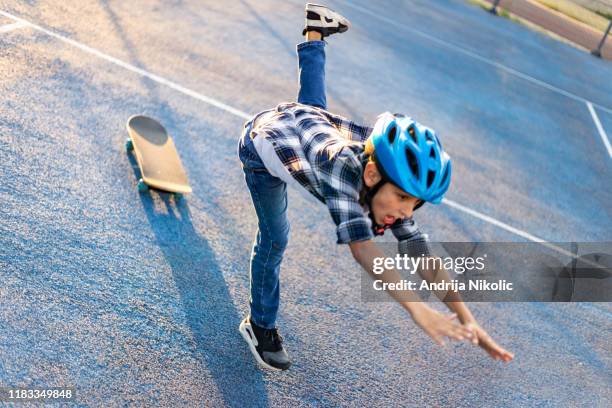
x: 467, y: 52
x: 600, y: 129
x: 10, y: 27
x: 130, y: 67
x: 493, y: 221
x: 516, y: 231
x: 245, y: 115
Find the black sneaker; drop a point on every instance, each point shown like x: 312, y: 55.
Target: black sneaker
x: 265, y: 344
x: 324, y: 20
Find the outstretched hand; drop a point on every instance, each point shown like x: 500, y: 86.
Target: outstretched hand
x: 485, y: 341
x: 439, y: 325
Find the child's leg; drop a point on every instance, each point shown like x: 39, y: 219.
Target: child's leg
x: 321, y: 22
x: 311, y: 62
x: 269, y: 195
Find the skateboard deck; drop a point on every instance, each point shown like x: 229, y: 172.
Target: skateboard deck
x: 159, y: 162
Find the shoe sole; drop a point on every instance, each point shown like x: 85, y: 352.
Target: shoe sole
x: 323, y: 12
x: 247, y: 337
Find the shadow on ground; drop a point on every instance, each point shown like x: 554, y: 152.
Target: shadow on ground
x: 200, y: 284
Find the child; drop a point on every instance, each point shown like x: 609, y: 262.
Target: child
x: 370, y: 180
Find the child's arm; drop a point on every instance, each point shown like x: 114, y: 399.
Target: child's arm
x: 434, y: 323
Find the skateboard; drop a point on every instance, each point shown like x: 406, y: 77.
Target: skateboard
x: 158, y: 160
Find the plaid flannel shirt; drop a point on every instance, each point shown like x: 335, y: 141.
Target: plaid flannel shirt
x: 324, y: 153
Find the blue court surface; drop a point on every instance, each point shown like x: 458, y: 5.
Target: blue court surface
x: 134, y: 299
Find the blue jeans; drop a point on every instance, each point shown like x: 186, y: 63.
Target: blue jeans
x: 269, y: 196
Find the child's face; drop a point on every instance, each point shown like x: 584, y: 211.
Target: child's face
x: 389, y: 203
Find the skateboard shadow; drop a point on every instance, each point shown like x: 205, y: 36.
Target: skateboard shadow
x: 209, y: 309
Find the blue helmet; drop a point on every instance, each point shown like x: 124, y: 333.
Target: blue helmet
x: 411, y: 157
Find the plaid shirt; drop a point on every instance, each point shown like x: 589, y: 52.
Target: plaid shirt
x: 324, y: 153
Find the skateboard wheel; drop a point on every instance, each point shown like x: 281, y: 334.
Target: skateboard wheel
x: 129, y: 145
x: 142, y: 186
x: 178, y: 196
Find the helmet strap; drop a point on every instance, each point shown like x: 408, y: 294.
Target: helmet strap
x: 371, y: 192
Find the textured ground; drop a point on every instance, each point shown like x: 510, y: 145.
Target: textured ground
x: 134, y: 299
